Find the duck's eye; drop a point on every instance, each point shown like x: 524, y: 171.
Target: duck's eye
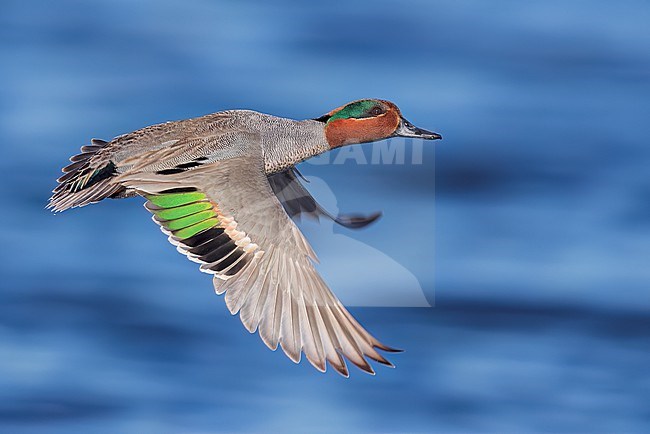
x: 376, y: 111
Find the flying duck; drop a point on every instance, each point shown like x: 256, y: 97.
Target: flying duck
x: 224, y: 188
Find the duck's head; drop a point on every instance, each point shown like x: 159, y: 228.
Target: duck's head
x: 368, y: 120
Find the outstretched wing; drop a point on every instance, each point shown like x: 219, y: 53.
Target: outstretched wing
x: 225, y: 216
x: 298, y: 202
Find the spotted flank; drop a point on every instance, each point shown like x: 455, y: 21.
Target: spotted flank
x: 199, y: 230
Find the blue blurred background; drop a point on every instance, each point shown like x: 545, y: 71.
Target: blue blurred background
x: 539, y: 216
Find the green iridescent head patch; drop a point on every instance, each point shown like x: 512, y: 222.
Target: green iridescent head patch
x: 365, y: 108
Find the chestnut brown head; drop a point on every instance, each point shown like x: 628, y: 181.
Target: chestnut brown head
x: 369, y: 120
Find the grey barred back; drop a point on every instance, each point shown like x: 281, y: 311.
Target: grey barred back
x: 174, y: 147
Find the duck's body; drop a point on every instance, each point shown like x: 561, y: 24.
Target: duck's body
x: 280, y: 143
x: 223, y: 188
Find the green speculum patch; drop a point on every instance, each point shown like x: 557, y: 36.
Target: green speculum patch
x: 184, y: 214
x: 169, y: 200
x: 182, y: 211
x: 189, y: 220
x: 190, y: 231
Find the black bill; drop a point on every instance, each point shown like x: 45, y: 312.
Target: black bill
x: 407, y: 129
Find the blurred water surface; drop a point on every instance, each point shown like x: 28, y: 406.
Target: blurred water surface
x: 529, y: 229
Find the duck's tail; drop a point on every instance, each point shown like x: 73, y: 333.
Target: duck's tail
x: 87, y: 180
